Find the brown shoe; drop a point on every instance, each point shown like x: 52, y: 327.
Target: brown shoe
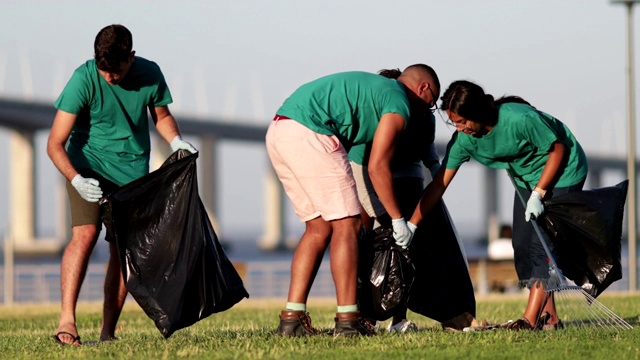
x: 352, y: 324
x: 295, y: 323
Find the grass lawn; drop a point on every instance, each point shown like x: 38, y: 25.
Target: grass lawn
x: 247, y: 332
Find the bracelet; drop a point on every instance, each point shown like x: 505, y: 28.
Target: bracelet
x: 540, y: 191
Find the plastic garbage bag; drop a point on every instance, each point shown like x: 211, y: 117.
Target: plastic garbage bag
x: 385, y: 274
x: 586, y: 232
x: 172, y: 262
x: 442, y: 288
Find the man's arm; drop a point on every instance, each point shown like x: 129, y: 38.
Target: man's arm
x: 165, y: 122
x: 168, y: 128
x: 88, y: 188
x: 58, y: 136
x: 382, y: 150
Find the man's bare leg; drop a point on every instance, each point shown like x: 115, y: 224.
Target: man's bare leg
x: 344, y: 258
x: 115, y: 293
x: 307, y: 259
x: 72, y: 272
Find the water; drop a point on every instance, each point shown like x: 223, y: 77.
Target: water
x: 266, y: 274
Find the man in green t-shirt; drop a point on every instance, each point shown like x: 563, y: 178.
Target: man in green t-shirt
x: 415, y: 151
x: 102, y: 118
x: 307, y: 143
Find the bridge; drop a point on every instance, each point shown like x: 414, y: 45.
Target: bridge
x: 24, y: 118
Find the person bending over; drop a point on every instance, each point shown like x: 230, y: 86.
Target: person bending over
x: 415, y: 151
x: 541, y: 154
x: 307, y: 143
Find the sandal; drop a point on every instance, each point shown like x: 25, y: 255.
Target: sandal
x: 544, y: 324
x: 557, y: 326
x: 75, y: 338
x: 520, y: 324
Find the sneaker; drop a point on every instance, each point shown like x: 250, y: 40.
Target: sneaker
x: 295, y: 323
x: 404, y: 326
x: 352, y: 324
x: 376, y: 326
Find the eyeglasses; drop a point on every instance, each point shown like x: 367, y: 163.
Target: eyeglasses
x: 445, y: 119
x: 458, y: 125
x: 435, y: 101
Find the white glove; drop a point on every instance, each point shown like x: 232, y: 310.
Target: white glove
x: 534, y: 206
x: 403, y: 232
x: 178, y: 144
x: 88, y: 188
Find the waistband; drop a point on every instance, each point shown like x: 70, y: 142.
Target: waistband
x: 280, y: 117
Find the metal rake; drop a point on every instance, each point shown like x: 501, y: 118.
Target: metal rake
x: 578, y: 307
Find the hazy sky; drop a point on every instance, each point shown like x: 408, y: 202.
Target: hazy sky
x: 242, y: 58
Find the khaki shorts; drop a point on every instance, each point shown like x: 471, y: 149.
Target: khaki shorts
x: 314, y: 170
x: 84, y: 212
x: 367, y: 194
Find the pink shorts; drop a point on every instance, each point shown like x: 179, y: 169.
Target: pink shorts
x: 314, y: 170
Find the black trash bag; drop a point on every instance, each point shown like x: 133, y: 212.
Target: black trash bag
x: 172, y: 262
x: 586, y: 233
x: 385, y: 275
x: 442, y: 288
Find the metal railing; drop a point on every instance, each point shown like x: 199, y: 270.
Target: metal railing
x: 41, y: 283
x: 262, y: 279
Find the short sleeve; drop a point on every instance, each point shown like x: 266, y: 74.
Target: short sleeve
x: 456, y: 155
x: 162, y: 95
x: 76, y: 94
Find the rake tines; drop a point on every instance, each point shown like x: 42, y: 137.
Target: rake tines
x: 578, y: 308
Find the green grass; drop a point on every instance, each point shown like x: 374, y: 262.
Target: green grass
x: 247, y: 332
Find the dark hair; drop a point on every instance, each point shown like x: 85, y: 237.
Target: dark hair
x: 390, y: 73
x: 112, y: 47
x: 469, y: 101
x: 425, y: 69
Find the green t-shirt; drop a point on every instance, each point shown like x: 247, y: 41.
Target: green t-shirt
x: 348, y: 105
x: 111, y: 133
x: 520, y: 141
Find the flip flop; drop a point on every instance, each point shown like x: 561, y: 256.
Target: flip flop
x: 76, y: 338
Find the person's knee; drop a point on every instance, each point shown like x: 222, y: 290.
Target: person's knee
x: 318, y: 229
x: 348, y: 224
x: 347, y: 228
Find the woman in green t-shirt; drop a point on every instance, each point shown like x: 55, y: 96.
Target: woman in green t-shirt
x: 542, y: 155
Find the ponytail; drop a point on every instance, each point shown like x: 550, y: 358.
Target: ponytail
x: 511, y: 99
